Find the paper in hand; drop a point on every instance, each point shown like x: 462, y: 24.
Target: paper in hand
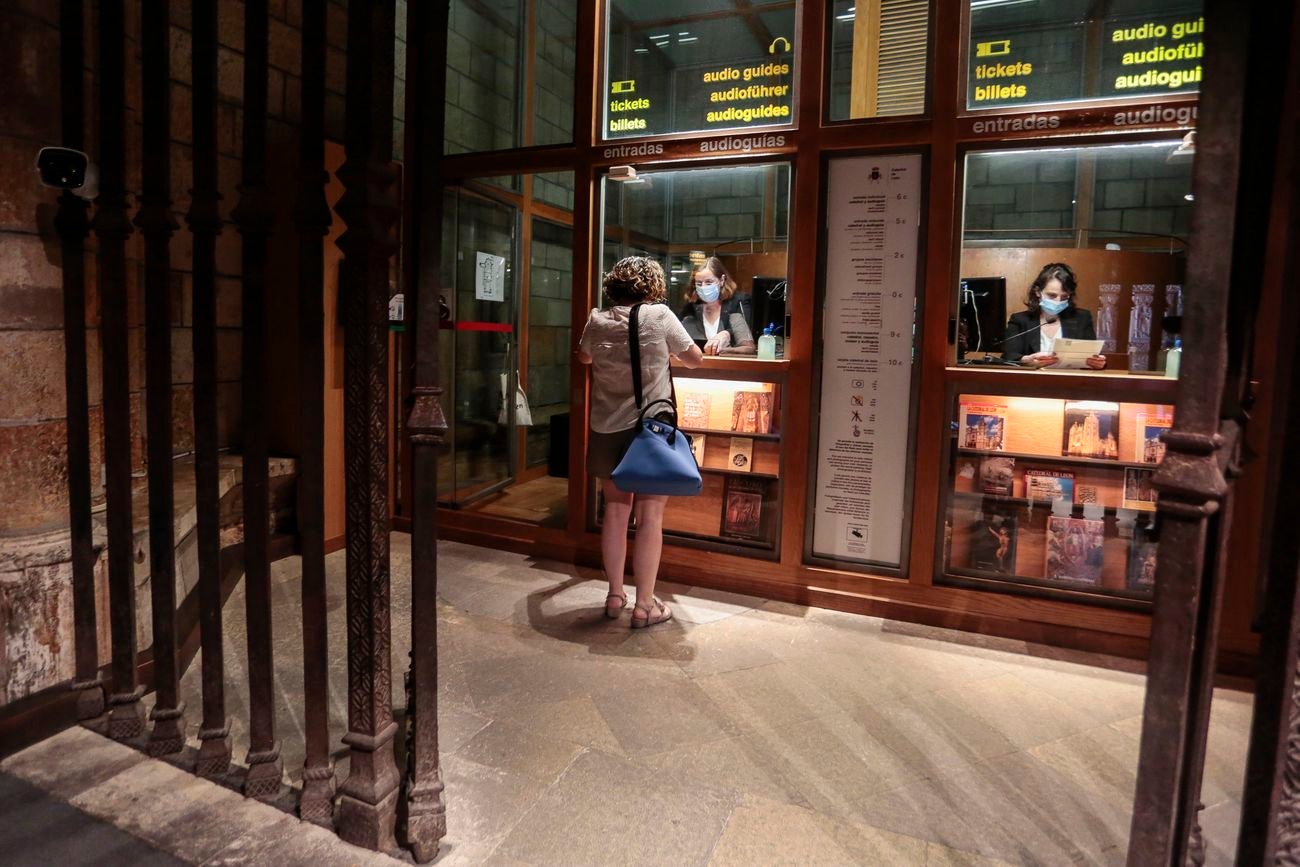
x: 1073, y: 353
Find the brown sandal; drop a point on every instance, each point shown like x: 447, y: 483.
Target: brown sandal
x: 612, y: 611
x: 656, y: 613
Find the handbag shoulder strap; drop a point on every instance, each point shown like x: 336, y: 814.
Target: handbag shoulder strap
x: 634, y: 347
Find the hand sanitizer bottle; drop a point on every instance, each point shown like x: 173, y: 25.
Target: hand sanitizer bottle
x: 767, y: 343
x: 1174, y: 360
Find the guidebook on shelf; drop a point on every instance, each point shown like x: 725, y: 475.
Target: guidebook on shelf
x: 751, y: 412
x: 1138, y: 492
x: 1142, y: 559
x: 997, y: 475
x: 740, y: 456
x: 993, y: 540
x: 1074, y: 549
x: 1149, y: 447
x: 695, y: 408
x: 742, y: 508
x: 697, y: 448
x: 1044, y: 486
x: 1091, y: 430
x: 983, y: 427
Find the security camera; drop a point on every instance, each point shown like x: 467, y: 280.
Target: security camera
x: 68, y: 169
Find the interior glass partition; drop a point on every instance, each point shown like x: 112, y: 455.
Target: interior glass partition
x: 480, y: 345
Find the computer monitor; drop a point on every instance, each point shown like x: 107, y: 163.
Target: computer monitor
x: 983, y: 312
x: 769, y: 304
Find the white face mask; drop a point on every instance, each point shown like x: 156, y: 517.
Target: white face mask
x: 707, y: 292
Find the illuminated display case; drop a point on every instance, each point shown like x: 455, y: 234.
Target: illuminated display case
x: 1053, y: 494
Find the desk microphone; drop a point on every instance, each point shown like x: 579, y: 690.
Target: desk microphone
x: 1048, y: 321
x: 989, y: 359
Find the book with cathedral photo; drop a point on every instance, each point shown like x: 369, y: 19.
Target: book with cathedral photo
x: 1138, y: 492
x: 1150, y: 448
x: 983, y: 427
x: 1091, y: 430
x: 1044, y: 486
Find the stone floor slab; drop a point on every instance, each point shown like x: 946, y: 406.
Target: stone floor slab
x: 783, y: 834
x: 71, y: 762
x: 40, y: 830
x: 606, y: 809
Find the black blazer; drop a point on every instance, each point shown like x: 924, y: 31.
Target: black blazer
x: 735, y: 317
x: 1023, y: 336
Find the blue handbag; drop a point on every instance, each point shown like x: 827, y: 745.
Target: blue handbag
x: 658, y: 460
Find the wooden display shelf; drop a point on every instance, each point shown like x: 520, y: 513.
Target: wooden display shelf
x: 712, y: 432
x: 1064, y: 459
x: 750, y: 473
x: 1110, y: 511
x: 743, y: 368
x: 1119, y: 386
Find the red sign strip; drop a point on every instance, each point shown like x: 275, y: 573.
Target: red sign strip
x: 479, y: 326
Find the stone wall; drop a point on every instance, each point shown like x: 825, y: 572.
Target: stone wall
x: 35, y: 594
x: 485, y: 44
x: 482, y: 76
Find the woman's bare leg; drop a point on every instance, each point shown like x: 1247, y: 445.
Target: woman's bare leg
x: 613, y: 534
x: 649, y: 546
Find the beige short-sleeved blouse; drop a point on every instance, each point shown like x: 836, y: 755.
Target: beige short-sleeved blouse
x: 605, y: 339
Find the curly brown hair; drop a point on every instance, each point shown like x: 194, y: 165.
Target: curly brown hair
x: 636, y: 279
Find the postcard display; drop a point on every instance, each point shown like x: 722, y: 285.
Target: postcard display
x: 873, y: 213
x: 735, y: 436
x: 1056, y: 493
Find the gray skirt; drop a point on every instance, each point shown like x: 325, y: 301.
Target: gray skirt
x: 605, y: 450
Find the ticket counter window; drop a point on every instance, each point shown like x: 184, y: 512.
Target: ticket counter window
x: 737, y: 215
x: 878, y: 54
x: 707, y: 66
x: 1030, y: 53
x: 1068, y: 347
x: 1118, y: 217
x: 732, y: 406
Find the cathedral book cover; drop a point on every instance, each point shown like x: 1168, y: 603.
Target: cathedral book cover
x: 1091, y: 430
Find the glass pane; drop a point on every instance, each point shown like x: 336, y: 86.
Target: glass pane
x: 496, y: 98
x: 554, y: 188
x: 698, y: 65
x: 878, y: 57
x: 1022, y: 53
x: 1115, y: 218
x: 483, y: 47
x: 549, y: 325
x: 736, y: 214
x: 555, y: 32
x: 481, y: 307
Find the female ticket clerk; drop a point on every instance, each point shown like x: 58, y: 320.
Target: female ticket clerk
x: 1049, y: 314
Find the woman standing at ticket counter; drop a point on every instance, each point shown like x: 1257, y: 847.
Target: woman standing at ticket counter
x: 1050, y: 314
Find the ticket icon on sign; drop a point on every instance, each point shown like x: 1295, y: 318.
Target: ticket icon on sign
x: 993, y: 49
x: 628, y: 86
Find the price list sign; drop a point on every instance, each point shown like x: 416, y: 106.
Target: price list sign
x: 862, y: 456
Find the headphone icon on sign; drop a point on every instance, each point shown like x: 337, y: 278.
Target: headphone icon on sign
x: 772, y: 49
